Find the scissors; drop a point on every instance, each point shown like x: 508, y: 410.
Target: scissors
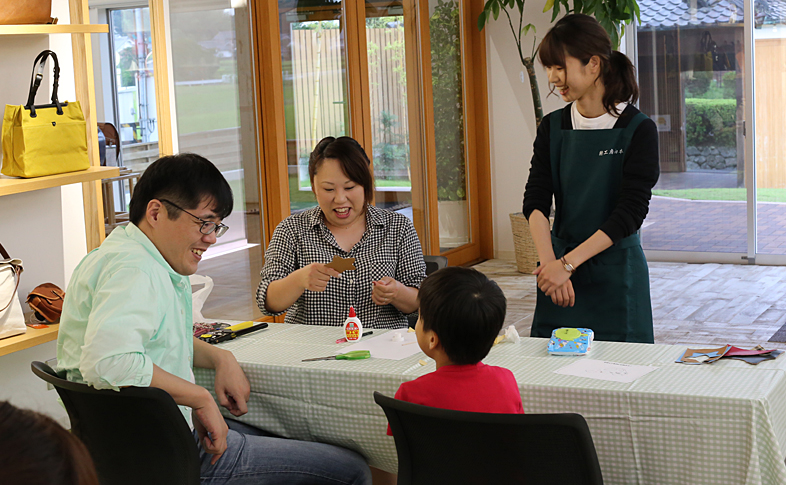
x: 354, y: 355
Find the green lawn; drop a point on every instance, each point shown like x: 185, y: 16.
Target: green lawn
x: 206, y: 107
x: 393, y: 183
x: 763, y: 195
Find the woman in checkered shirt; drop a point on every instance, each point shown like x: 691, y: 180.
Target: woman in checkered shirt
x: 389, y: 264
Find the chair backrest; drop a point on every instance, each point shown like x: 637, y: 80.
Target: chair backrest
x: 433, y: 263
x: 445, y: 446
x: 137, y: 435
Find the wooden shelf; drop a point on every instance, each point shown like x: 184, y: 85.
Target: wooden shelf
x: 10, y: 186
x: 54, y: 29
x: 33, y: 337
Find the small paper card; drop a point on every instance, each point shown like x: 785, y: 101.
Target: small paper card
x: 703, y: 356
x: 341, y: 264
x: 605, y: 371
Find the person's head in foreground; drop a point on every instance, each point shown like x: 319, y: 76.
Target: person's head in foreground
x: 341, y: 180
x: 179, y: 203
x: 461, y: 313
x: 36, y: 450
x: 580, y: 63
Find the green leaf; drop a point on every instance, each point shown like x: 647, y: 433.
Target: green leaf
x: 488, y: 7
x: 555, y: 12
x: 495, y: 8
x: 527, y: 28
x: 481, y: 20
x: 549, y: 5
x: 520, y: 4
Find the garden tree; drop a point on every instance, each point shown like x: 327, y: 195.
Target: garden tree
x: 613, y: 15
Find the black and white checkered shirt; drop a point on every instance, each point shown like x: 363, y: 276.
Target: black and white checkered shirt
x: 389, y: 247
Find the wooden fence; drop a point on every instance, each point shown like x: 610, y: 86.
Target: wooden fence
x: 770, y: 79
x: 319, y: 78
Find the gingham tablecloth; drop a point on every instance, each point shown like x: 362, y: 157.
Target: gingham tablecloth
x: 701, y: 424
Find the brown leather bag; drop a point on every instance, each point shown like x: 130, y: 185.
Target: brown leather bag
x: 17, y: 12
x: 47, y: 302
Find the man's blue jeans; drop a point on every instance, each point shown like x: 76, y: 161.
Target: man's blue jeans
x: 255, y: 457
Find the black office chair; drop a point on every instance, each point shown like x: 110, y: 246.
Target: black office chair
x: 445, y: 446
x: 135, y: 436
x: 433, y: 263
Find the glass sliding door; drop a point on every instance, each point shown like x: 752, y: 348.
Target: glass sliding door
x: 391, y: 32
x: 769, y: 59
x: 391, y: 74
x: 314, y: 67
x: 131, y: 132
x: 691, y: 72
x: 447, y: 97
x: 212, y: 69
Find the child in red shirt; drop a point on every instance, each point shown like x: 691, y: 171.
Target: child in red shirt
x: 461, y: 313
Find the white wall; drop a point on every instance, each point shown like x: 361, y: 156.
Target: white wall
x: 512, y: 119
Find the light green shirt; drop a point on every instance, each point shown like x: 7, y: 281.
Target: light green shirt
x: 126, y: 309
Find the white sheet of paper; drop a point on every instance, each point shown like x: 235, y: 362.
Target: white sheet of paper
x: 605, y: 371
x: 383, y: 346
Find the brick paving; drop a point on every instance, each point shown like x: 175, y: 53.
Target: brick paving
x: 712, y: 226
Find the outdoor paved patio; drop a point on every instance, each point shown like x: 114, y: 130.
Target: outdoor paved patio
x: 714, y: 226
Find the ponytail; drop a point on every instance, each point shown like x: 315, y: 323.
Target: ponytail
x: 619, y: 81
x: 582, y: 37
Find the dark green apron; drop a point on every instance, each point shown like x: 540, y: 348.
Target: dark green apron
x: 612, y: 289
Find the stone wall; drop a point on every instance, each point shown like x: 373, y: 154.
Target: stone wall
x: 711, y: 158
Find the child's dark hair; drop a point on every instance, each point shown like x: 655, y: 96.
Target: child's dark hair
x: 185, y: 179
x: 582, y: 37
x: 352, y: 158
x: 465, y: 309
x: 38, y: 451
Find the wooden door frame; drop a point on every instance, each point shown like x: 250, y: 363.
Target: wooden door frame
x: 267, y: 38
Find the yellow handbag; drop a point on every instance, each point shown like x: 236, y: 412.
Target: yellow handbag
x: 45, y: 139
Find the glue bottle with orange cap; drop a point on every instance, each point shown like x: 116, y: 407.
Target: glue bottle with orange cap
x: 353, y: 329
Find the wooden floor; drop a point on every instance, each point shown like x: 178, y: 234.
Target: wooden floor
x: 691, y: 303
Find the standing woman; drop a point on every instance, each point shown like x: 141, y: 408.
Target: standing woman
x: 598, y: 157
x: 389, y: 266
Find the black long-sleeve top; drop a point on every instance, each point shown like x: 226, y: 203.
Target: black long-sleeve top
x: 640, y: 171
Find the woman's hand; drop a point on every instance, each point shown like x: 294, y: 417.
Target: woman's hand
x: 385, y: 291
x: 564, y: 295
x: 316, y: 276
x: 551, y: 276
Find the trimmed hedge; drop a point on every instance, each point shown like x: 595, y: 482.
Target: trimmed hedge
x: 711, y: 122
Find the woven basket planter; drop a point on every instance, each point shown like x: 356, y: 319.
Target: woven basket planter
x: 526, y: 254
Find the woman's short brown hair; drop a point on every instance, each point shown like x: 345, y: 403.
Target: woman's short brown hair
x: 38, y: 451
x: 352, y: 158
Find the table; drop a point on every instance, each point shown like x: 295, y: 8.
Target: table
x: 718, y: 423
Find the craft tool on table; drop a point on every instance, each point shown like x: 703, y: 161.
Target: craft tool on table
x: 232, y: 332
x: 354, y: 355
x: 344, y: 339
x: 353, y: 329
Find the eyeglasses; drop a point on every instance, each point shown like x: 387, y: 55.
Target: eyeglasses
x: 207, y: 226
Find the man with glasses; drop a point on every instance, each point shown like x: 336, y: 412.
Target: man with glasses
x: 127, y: 322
